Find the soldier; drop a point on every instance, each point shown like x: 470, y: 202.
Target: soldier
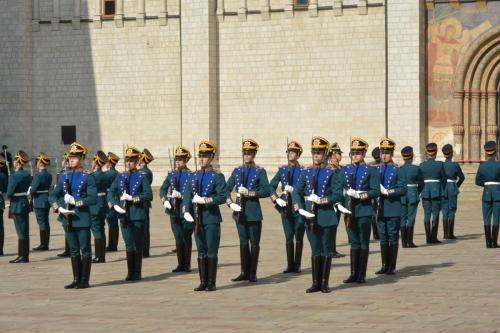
x: 251, y: 184
x: 3, y: 189
x: 434, y: 180
x: 293, y: 224
x: 145, y: 159
x: 60, y: 218
x: 392, y: 188
x: 72, y: 197
x: 207, y: 190
x: 361, y: 183
x: 488, y: 176
x: 454, y: 178
x: 409, y: 202
x: 130, y: 195
x: 17, y: 192
x: 334, y: 158
x: 176, y: 183
x: 39, y: 192
x: 375, y: 163
x: 321, y: 187
x: 112, y: 217
x: 98, y: 211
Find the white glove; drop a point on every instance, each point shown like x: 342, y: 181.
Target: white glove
x: 235, y: 207
x: 118, y: 209
x: 126, y: 196
x: 28, y: 190
x: 314, y: 198
x: 383, y: 190
x: 68, y: 198
x: 65, y: 211
x: 243, y: 190
x: 176, y: 194
x: 288, y: 188
x: 167, y: 204
x: 343, y: 210
x: 198, y: 200
x: 280, y: 202
x: 306, y: 214
x: 188, y: 217
x: 353, y: 193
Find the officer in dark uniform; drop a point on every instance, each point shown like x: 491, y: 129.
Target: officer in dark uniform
x: 175, y: 184
x: 293, y: 224
x: 361, y: 183
x: 334, y: 158
x: 409, y: 202
x: 434, y: 181
x: 454, y: 178
x: 39, y: 192
x: 60, y: 217
x: 392, y: 188
x: 3, y: 188
x: 17, y: 192
x: 146, y: 158
x: 251, y: 184
x: 98, y: 211
x: 488, y: 176
x: 112, y: 216
x: 72, y: 197
x: 375, y: 163
x: 201, y: 201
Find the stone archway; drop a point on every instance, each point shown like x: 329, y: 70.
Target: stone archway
x: 475, y: 96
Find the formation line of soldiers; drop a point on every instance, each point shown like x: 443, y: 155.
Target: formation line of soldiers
x: 310, y: 200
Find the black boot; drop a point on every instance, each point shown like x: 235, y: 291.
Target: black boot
x: 100, y: 250
x: 316, y: 270
x: 375, y: 230
x: 66, y: 252
x: 393, y: 255
x: 245, y: 264
x: 137, y: 266
x: 23, y: 251
x: 212, y: 274
x: 494, y: 236
x: 384, y: 254
x: 445, y: 228
x: 19, y: 251
x: 290, y: 265
x: 298, y: 256
x: 2, y: 238
x: 451, y: 229
x: 145, y: 247
x: 327, y: 265
x: 428, y: 238
x: 130, y: 265
x: 112, y: 240
x: 410, y: 237
x: 363, y: 263
x: 180, y: 258
x: 487, y: 235
x: 254, y: 262
x: 84, y: 281
x: 336, y: 254
x: 76, y: 265
x: 188, y: 249
x: 203, y: 271
x: 44, y: 240
x: 404, y: 236
x: 354, y: 267
x: 434, y: 231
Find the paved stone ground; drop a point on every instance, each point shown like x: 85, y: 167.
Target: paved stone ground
x: 452, y: 287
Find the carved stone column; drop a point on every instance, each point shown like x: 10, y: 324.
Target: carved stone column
x: 458, y: 125
x: 475, y: 126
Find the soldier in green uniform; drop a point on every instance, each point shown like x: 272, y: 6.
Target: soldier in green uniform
x: 293, y: 224
x: 334, y: 159
x: 175, y: 184
x: 201, y: 200
x: 39, y: 192
x: 3, y: 189
x: 146, y: 158
x: 375, y: 163
x: 392, y: 188
x: 454, y: 178
x: 251, y: 184
x: 98, y: 211
x: 409, y: 202
x: 62, y: 171
x: 111, y: 216
x: 72, y: 197
x: 130, y: 195
x: 361, y: 183
x: 17, y: 192
x: 434, y: 180
x: 321, y: 187
x: 488, y: 176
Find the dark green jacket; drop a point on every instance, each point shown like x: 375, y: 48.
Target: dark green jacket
x: 365, y: 179
x: 101, y: 182
x: 40, y: 187
x: 415, y: 183
x: 489, y: 171
x: 182, y: 181
x: 394, y: 181
x: 3, y: 188
x: 19, y: 182
x: 454, y: 179
x: 433, y: 170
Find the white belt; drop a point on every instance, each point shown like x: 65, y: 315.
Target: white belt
x: 451, y: 180
x: 491, y: 183
x: 101, y: 194
x: 412, y: 185
x: 20, y: 194
x: 46, y: 191
x: 432, y: 181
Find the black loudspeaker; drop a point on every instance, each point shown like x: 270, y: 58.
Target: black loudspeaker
x: 68, y: 134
